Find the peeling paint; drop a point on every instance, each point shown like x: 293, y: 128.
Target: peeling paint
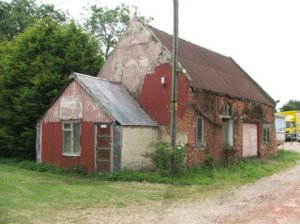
x: 155, y: 98
x: 137, y: 54
x: 75, y: 103
x: 71, y: 107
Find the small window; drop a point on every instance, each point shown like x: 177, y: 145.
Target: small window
x: 266, y: 129
x: 199, y: 130
x: 71, y: 131
x: 227, y: 132
x: 279, y: 125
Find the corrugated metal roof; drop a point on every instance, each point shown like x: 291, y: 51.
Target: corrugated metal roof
x: 214, y: 72
x: 115, y: 100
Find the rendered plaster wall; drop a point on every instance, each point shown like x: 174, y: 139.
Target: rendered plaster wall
x: 136, y: 55
x: 135, y: 143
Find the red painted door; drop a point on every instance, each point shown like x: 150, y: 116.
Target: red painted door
x: 103, y: 148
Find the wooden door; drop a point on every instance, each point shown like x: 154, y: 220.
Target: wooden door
x: 103, y: 148
x: 249, y: 140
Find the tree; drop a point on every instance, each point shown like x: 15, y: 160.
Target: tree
x: 16, y: 16
x: 291, y: 105
x: 34, y: 66
x: 108, y: 24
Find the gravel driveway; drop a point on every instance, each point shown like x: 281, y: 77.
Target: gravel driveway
x: 274, y: 199
x: 293, y: 146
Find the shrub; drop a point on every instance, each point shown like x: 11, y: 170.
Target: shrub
x: 168, y: 161
x: 228, y: 154
x: 209, y: 163
x: 29, y: 165
x: 41, y: 167
x: 78, y: 169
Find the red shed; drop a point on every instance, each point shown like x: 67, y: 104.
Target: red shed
x: 97, y: 124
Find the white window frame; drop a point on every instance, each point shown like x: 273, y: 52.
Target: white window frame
x: 228, y: 127
x: 71, y: 129
x: 202, y: 131
x: 266, y: 130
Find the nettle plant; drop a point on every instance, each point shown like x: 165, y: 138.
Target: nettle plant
x: 168, y: 160
x: 228, y: 151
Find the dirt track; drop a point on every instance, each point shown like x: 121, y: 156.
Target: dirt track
x: 293, y: 146
x: 274, y: 199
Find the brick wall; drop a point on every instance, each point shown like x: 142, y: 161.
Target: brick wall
x: 155, y: 99
x: 210, y: 106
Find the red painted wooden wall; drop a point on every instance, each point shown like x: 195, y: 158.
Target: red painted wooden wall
x: 52, y: 145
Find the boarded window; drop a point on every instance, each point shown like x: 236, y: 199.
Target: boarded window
x: 71, y: 131
x: 227, y: 132
x: 200, y: 129
x: 266, y: 128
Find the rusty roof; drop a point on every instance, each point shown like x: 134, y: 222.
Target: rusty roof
x: 214, y: 72
x: 115, y: 100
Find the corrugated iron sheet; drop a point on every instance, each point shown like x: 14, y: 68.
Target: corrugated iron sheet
x: 214, y: 72
x: 88, y: 111
x: 115, y: 100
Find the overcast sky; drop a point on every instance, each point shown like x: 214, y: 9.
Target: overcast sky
x: 263, y: 36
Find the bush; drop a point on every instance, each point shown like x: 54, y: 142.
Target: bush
x: 228, y: 152
x: 29, y: 165
x: 41, y: 167
x: 78, y: 169
x: 168, y: 161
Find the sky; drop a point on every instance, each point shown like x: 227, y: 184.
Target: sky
x: 262, y: 36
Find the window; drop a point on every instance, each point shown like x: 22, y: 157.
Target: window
x: 266, y: 129
x: 227, y: 132
x: 280, y: 125
x: 199, y: 133
x: 71, y: 131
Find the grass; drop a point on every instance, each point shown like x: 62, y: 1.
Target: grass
x: 245, y: 171
x: 39, y: 197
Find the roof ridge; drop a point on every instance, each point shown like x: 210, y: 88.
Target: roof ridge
x: 74, y: 74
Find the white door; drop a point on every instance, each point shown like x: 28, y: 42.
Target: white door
x: 249, y: 140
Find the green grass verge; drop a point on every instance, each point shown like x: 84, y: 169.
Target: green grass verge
x: 40, y: 197
x: 245, y: 171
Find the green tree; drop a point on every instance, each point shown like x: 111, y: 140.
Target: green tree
x: 291, y: 105
x: 34, y: 66
x: 17, y: 15
x: 108, y: 24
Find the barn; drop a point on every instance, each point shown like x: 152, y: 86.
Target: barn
x: 220, y: 106
x: 106, y: 123
x: 91, y: 123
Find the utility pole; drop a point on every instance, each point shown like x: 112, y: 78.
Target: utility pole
x: 174, y: 84
x: 174, y: 74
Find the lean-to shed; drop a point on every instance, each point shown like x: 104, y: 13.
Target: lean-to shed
x: 97, y: 124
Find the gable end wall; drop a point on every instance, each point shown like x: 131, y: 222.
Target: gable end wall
x: 137, y: 54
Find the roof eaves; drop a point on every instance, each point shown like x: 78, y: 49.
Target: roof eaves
x: 200, y: 90
x: 54, y: 100
x: 89, y: 92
